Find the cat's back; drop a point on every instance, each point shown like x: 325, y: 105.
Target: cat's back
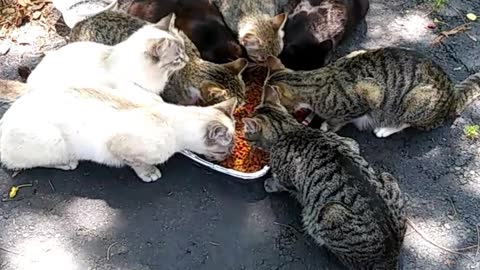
x: 109, y: 28
x: 234, y: 11
x: 343, y: 198
x: 73, y: 64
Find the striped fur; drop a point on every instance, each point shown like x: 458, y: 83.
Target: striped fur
x: 355, y: 212
x: 393, y: 87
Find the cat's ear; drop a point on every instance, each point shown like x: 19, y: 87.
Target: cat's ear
x: 270, y: 96
x: 236, y: 67
x: 167, y: 23
x: 251, y: 125
x: 228, y: 106
x: 279, y: 21
x: 251, y: 41
x: 218, y: 133
x: 156, y: 48
x: 274, y: 64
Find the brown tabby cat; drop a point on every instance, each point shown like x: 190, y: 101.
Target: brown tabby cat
x: 316, y: 27
x: 200, y: 20
x: 200, y: 81
x: 259, y: 29
x: 387, y: 90
x: 355, y: 212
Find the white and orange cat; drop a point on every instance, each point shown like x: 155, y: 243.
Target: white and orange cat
x: 74, y: 124
x: 144, y: 61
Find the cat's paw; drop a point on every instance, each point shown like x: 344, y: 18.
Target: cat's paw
x: 384, y: 132
x: 72, y: 165
x: 148, y: 174
x: 324, y: 126
x: 272, y: 185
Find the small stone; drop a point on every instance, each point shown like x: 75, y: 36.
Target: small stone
x: 447, y: 226
x: 457, y: 168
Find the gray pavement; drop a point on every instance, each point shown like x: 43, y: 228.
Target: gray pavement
x: 102, y: 218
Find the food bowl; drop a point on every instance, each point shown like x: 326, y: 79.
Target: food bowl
x: 234, y: 173
x: 74, y: 11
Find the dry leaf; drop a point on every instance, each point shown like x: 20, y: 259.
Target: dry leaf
x: 472, y: 17
x: 9, y: 10
x: 36, y: 14
x: 38, y: 6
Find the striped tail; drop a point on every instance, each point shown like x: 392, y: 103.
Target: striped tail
x: 11, y: 90
x: 466, y: 92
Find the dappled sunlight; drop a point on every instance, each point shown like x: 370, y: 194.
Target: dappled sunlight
x: 40, y: 253
x: 385, y: 30
x: 91, y: 214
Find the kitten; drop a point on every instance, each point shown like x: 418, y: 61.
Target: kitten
x: 258, y: 27
x: 387, y: 90
x: 75, y: 124
x: 316, y: 27
x: 356, y: 213
x: 144, y: 61
x: 199, y: 82
x: 200, y: 20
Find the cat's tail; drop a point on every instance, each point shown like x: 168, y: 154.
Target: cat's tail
x: 11, y: 90
x: 465, y: 93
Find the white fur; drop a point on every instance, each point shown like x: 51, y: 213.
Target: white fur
x: 89, y: 64
x: 364, y: 122
x: 384, y: 132
x: 61, y: 127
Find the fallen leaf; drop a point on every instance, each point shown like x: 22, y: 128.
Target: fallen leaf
x: 9, y: 10
x: 431, y: 25
x: 472, y: 17
x: 38, y: 6
x: 36, y: 14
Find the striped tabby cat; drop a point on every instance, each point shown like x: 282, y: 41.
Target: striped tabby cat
x: 356, y: 213
x: 259, y: 28
x: 387, y: 90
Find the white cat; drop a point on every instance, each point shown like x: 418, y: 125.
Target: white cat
x: 61, y: 127
x: 144, y: 61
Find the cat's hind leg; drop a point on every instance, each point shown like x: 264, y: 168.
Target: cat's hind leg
x: 138, y: 155
x: 35, y: 145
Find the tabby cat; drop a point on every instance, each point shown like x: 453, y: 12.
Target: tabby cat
x: 387, y: 90
x: 200, y: 81
x: 74, y: 124
x: 315, y: 28
x: 144, y: 61
x: 200, y: 20
x: 258, y: 27
x: 355, y: 212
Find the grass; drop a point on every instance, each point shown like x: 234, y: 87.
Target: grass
x: 472, y: 131
x: 438, y: 4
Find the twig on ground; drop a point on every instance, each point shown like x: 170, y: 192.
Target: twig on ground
x: 478, y: 240
x: 15, y: 173
x: 109, y: 248
x: 214, y: 243
x: 454, y: 251
x: 459, y: 29
x: 51, y: 185
x: 11, y: 251
x: 453, y: 207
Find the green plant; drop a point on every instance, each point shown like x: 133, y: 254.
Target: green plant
x: 438, y: 4
x: 472, y: 131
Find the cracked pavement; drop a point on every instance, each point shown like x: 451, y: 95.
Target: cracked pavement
x: 101, y: 218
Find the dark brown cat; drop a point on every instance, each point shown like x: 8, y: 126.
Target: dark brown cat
x: 316, y: 27
x: 200, y: 20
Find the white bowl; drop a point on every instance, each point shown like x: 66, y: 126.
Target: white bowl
x: 74, y: 11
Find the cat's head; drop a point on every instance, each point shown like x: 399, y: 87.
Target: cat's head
x: 269, y: 120
x: 263, y: 36
x: 306, y: 55
x: 219, y: 82
x: 217, y: 125
x: 160, y: 47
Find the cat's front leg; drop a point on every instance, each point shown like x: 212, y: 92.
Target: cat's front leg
x: 273, y: 184
x: 133, y: 151
x: 148, y: 173
x: 332, y: 126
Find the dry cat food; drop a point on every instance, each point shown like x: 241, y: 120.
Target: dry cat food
x: 244, y: 157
